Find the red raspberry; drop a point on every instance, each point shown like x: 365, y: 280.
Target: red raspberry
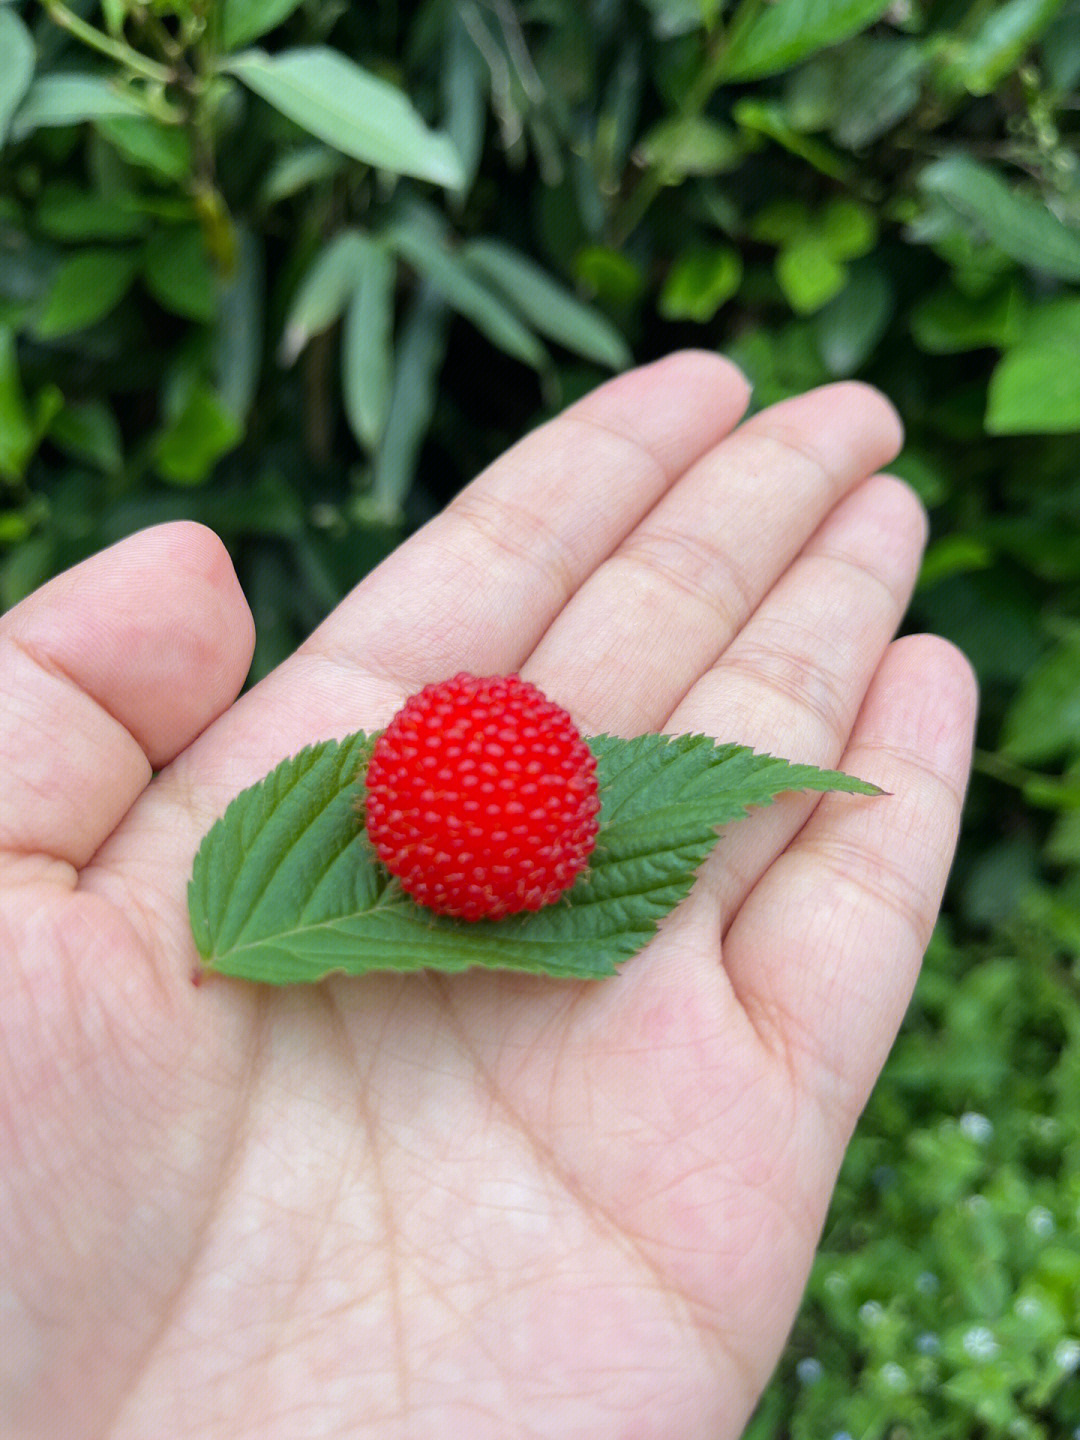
x: 482, y: 797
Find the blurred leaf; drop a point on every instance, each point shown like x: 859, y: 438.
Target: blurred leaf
x: 699, y: 282
x: 679, y: 17
x: 1043, y: 722
x: 858, y: 91
x: 163, y: 149
x: 324, y: 291
x: 465, y: 82
x: 465, y: 292
x: 954, y: 555
x: 849, y: 327
x: 991, y: 616
x: 765, y: 117
x: 1035, y: 387
x: 86, y: 287
x: 1060, y: 50
x: 22, y: 424
x: 1002, y: 40
x: 947, y: 322
x: 115, y: 13
x: 297, y: 169
x: 69, y: 100
x: 367, y: 345
x: 808, y: 274
x: 1020, y: 225
x: 611, y: 276
x: 350, y: 109
x: 178, y: 273
x: 547, y: 305
x: 245, y: 20
x: 777, y: 36
x: 88, y: 431
x: 238, y: 341
x: 689, y: 145
x: 419, y: 358
x: 848, y: 228
x: 204, y: 430
x: 17, y: 69
x: 68, y: 212
x: 780, y: 222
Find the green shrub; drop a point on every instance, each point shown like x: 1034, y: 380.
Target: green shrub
x: 298, y: 269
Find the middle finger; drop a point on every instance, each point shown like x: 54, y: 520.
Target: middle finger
x: 647, y: 623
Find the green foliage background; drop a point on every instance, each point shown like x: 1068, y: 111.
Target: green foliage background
x: 299, y: 268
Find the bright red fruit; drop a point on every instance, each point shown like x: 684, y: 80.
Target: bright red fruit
x: 482, y: 797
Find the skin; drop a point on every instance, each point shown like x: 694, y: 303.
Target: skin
x: 485, y: 1205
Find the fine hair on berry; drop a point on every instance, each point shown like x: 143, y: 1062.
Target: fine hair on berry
x: 481, y: 797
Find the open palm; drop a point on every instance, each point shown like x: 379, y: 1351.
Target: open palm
x: 488, y: 1204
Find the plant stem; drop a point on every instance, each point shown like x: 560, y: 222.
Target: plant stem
x: 115, y: 49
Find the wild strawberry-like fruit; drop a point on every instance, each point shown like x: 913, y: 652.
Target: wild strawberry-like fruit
x: 482, y: 797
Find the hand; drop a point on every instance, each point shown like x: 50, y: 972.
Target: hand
x: 490, y: 1204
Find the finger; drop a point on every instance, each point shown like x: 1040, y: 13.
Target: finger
x: 657, y: 614
x: 825, y: 951
x: 792, y: 681
x: 108, y: 671
x: 478, y: 586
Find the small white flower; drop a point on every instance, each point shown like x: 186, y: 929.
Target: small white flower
x: 1040, y: 1220
x: 980, y: 1344
x: 976, y: 1127
x: 809, y: 1370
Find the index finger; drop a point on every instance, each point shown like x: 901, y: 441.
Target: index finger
x: 478, y: 586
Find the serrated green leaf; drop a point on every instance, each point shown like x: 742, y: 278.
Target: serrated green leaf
x: 285, y: 888
x: 354, y: 111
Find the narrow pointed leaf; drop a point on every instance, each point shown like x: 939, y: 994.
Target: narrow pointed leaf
x: 465, y: 291
x: 367, y: 359
x: 354, y: 111
x: 69, y: 99
x: 548, y: 306
x: 17, y: 69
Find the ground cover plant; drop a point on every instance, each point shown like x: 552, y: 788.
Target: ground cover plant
x: 222, y: 298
